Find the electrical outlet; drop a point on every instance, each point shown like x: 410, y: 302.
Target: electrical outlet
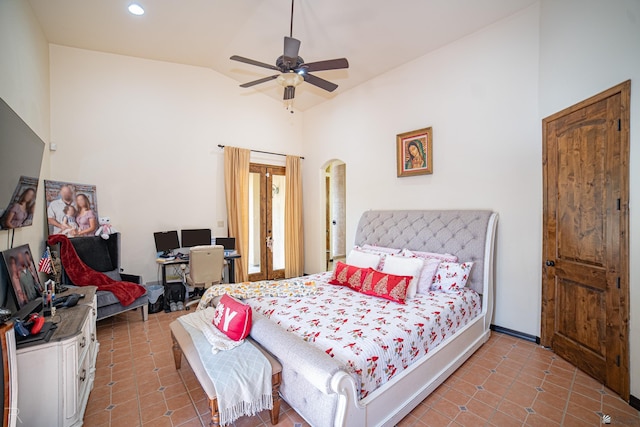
x: 220, y: 224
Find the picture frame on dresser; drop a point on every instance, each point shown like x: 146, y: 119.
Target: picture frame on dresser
x: 22, y: 274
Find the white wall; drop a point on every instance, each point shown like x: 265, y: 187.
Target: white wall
x: 587, y: 46
x: 480, y: 95
x: 24, y: 85
x: 146, y: 133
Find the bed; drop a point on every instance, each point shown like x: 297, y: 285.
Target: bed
x: 325, y: 390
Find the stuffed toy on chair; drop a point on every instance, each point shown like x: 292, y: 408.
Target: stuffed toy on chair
x: 105, y: 228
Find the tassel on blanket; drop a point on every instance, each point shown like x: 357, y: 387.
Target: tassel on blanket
x: 265, y: 288
x: 249, y: 409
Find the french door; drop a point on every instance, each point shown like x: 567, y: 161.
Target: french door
x: 266, y: 222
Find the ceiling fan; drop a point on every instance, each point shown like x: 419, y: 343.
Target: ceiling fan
x: 293, y: 70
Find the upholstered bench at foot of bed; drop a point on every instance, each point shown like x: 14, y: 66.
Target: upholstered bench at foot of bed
x: 182, y: 344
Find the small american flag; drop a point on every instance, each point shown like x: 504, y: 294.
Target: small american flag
x: 44, y: 265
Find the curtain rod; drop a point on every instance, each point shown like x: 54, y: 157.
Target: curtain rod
x: 264, y: 152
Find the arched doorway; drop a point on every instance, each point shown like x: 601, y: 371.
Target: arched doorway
x: 335, y: 212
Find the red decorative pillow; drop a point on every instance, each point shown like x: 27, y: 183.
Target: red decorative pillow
x: 233, y: 318
x: 388, y: 286
x: 348, y: 275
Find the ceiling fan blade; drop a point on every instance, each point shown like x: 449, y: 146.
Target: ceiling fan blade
x: 330, y: 64
x: 257, y: 82
x: 291, y: 49
x: 321, y: 83
x: 253, y: 62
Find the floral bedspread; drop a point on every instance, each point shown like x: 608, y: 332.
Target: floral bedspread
x: 374, y: 338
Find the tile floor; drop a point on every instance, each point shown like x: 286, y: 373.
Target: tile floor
x: 508, y: 382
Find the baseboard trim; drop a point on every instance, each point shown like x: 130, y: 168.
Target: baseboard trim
x: 634, y: 402
x: 515, y: 334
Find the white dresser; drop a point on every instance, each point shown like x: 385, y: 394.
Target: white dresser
x: 55, y: 378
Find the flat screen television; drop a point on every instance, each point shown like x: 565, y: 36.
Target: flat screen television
x: 21, y: 153
x: 196, y: 237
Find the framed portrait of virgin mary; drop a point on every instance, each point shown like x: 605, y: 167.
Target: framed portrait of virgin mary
x: 415, y: 152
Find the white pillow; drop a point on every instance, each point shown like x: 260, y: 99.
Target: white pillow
x: 427, y: 255
x: 427, y: 274
x: 363, y: 259
x: 451, y: 276
x: 403, y: 266
x: 381, y: 249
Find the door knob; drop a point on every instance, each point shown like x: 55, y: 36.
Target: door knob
x: 550, y: 263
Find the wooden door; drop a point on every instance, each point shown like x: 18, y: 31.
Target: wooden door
x: 266, y: 217
x: 585, y: 281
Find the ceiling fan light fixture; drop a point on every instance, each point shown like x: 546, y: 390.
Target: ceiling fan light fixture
x: 290, y: 79
x: 136, y: 9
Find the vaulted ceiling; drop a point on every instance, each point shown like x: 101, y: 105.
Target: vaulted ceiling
x: 375, y: 35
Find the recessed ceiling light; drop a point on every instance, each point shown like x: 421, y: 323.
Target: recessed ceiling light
x: 136, y: 9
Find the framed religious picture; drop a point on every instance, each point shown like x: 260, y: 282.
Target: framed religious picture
x: 415, y: 152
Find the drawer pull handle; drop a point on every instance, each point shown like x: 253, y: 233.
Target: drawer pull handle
x: 93, y: 337
x: 84, y: 375
x: 83, y: 342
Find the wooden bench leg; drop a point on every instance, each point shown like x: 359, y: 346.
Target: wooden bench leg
x: 275, y: 390
x: 215, y: 416
x: 177, y: 352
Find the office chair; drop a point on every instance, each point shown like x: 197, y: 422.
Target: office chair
x: 205, y: 266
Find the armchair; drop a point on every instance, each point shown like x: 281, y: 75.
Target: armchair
x: 104, y: 256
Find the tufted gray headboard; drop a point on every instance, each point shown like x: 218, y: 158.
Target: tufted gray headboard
x: 459, y: 232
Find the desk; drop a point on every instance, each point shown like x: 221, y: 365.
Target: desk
x: 231, y: 259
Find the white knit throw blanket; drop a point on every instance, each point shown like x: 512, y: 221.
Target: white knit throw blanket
x: 202, y: 320
x: 241, y: 375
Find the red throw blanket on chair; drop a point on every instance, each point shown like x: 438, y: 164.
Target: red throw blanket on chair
x: 81, y: 275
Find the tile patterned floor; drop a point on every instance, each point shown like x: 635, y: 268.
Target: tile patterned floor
x: 508, y: 382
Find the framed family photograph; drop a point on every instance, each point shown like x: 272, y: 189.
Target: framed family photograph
x: 72, y: 209
x: 415, y: 152
x: 19, y: 212
x: 23, y: 275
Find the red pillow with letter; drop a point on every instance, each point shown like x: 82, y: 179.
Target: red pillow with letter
x: 348, y: 275
x: 388, y: 286
x: 233, y: 318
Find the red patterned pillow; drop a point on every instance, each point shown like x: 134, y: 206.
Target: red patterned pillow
x: 388, y: 286
x: 233, y: 318
x: 348, y: 275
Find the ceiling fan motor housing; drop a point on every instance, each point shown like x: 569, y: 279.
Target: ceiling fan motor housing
x: 285, y: 64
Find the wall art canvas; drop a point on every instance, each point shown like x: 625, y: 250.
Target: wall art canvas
x: 415, y: 152
x: 72, y: 209
x: 19, y: 212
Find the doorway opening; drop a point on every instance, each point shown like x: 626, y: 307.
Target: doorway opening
x: 335, y: 212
